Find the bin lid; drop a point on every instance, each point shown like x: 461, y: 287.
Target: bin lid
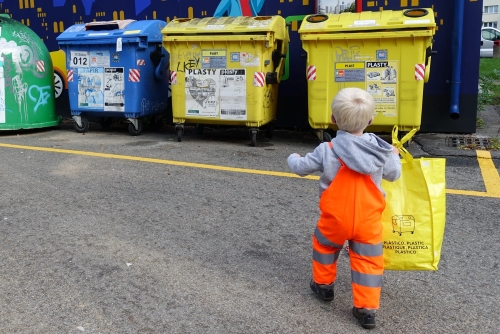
x: 415, y: 18
x: 225, y: 25
x: 109, y: 31
x: 107, y: 25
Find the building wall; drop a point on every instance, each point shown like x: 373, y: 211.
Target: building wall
x: 491, y: 19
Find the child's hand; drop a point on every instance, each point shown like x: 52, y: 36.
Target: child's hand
x: 298, y: 155
x: 395, y: 150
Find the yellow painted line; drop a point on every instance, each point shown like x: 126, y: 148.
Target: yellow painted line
x: 488, y: 170
x: 159, y: 161
x: 490, y: 173
x: 470, y: 193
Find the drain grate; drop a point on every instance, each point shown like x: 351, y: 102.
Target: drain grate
x: 467, y: 141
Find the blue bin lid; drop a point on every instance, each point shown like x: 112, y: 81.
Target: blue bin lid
x: 106, y: 32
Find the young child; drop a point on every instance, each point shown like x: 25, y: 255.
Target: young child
x: 352, y: 167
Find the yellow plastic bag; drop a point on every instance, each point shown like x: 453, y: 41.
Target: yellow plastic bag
x: 415, y: 214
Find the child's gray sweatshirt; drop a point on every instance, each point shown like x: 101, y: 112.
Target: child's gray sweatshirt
x: 366, y: 154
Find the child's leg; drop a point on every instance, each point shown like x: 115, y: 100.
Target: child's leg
x: 367, y: 268
x: 325, y: 254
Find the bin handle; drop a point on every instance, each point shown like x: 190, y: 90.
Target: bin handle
x: 317, y: 18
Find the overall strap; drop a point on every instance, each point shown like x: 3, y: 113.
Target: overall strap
x: 331, y: 146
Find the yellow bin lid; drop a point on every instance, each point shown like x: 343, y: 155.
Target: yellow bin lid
x: 414, y: 19
x: 227, y: 26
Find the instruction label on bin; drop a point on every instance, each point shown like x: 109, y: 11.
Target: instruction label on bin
x: 99, y: 58
x: 202, y: 93
x: 2, y: 94
x: 249, y: 59
x: 216, y: 93
x: 114, y: 88
x: 213, y: 58
x: 90, y: 88
x: 380, y: 78
x: 233, y: 94
x: 350, y: 72
x: 382, y: 84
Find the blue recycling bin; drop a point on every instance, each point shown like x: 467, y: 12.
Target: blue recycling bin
x: 116, y: 69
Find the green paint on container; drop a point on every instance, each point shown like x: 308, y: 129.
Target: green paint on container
x: 26, y: 79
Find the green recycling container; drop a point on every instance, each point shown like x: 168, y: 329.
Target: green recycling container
x: 26, y: 79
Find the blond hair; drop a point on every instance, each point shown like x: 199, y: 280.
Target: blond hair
x: 353, y: 109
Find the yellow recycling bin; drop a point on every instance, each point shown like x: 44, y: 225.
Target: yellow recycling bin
x: 387, y: 53
x: 226, y: 70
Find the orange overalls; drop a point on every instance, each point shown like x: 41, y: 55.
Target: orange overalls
x: 351, y: 209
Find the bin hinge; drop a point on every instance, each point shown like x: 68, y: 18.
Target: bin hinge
x: 271, y: 78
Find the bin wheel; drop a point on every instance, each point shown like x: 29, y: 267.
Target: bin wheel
x: 84, y: 128
x: 253, y: 138
x: 269, y: 130
x: 133, y: 131
x: 179, y: 134
x: 326, y: 137
x: 58, y: 85
x: 199, y: 129
x: 106, y: 122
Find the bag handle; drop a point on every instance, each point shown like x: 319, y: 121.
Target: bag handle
x: 399, y: 143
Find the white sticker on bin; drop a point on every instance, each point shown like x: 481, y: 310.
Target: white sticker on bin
x: 119, y: 44
x: 80, y: 59
x: 260, y: 24
x: 214, y: 26
x: 417, y: 21
x: 364, y: 23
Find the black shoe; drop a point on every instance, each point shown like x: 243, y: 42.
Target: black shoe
x: 365, y: 317
x: 323, y: 291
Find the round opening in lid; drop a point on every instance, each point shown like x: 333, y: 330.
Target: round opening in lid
x: 262, y: 18
x: 415, y: 12
x: 317, y: 18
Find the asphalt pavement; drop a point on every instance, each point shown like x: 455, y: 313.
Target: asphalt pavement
x: 107, y: 233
